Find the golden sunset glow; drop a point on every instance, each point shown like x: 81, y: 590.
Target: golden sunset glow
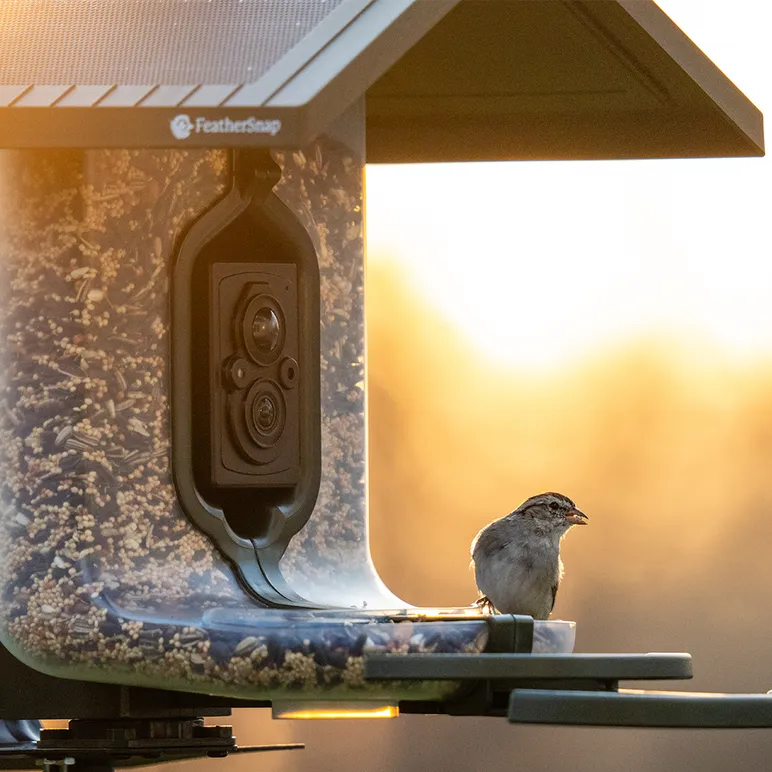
x: 333, y: 711
x: 540, y: 264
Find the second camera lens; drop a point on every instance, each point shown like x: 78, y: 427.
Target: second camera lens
x: 265, y: 413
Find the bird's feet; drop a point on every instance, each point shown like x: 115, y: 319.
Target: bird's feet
x: 485, y: 604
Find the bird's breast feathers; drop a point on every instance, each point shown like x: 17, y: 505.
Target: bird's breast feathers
x: 519, y: 581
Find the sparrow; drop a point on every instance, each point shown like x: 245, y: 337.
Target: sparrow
x: 516, y: 559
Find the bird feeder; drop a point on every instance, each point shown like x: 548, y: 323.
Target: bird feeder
x: 183, y: 471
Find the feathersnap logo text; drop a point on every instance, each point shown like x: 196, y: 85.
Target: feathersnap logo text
x: 182, y: 126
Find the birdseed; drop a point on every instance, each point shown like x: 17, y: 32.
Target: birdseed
x: 101, y: 574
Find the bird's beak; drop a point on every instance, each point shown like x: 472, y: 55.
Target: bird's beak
x: 575, y: 517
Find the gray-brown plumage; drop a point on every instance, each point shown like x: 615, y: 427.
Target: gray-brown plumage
x: 516, y: 559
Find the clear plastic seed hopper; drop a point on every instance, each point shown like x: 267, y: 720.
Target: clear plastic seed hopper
x: 183, y: 470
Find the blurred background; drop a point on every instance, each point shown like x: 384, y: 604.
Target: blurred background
x: 600, y: 329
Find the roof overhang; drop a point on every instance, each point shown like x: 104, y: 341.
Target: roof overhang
x: 444, y: 80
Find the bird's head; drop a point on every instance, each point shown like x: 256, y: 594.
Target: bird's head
x: 550, y: 512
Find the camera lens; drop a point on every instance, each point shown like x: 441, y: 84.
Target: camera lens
x: 265, y: 413
x: 265, y: 330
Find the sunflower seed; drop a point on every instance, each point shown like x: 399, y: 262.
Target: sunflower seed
x: 246, y: 646
x: 11, y: 415
x: 87, y: 439
x: 139, y: 428
x: 75, y: 444
x: 192, y: 637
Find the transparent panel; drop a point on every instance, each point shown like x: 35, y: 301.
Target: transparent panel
x: 329, y: 560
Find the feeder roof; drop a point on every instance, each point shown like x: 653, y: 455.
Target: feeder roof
x: 444, y: 80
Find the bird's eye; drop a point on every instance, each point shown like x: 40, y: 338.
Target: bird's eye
x: 554, y: 506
